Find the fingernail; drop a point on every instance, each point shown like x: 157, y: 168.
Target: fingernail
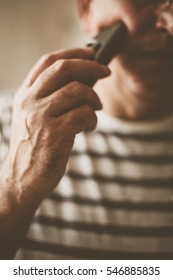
x: 106, y: 69
x: 90, y: 50
x: 99, y: 106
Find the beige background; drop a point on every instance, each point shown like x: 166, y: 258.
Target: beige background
x: 30, y: 28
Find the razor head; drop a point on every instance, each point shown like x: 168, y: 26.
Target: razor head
x: 108, y: 43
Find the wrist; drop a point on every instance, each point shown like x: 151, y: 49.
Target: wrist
x: 16, y: 213
x: 14, y: 196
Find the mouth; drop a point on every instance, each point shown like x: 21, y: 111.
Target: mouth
x: 153, y: 47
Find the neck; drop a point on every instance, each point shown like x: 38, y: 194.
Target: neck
x: 125, y: 101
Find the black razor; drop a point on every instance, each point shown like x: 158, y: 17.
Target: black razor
x: 108, y: 43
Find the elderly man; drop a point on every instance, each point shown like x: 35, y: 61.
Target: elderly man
x: 114, y: 198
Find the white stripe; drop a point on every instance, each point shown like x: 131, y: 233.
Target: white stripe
x: 26, y: 254
x: 69, y: 237
x: 82, y: 213
x: 110, y: 168
x: 90, y: 189
x: 129, y: 147
x: 126, y: 147
x: 108, y: 123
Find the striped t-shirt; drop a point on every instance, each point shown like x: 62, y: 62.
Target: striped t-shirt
x: 115, y: 200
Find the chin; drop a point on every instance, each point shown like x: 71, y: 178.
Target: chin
x: 153, y: 82
x: 154, y: 88
x: 152, y: 76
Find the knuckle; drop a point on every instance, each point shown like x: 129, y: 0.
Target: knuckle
x: 79, y: 85
x: 83, y: 116
x: 73, y: 89
x: 48, y: 59
x: 76, y: 86
x: 62, y: 64
x: 87, y: 110
x: 90, y: 116
x: 77, y: 118
x: 43, y: 77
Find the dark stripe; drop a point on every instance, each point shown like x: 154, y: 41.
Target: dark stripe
x: 160, y: 183
x: 108, y: 204
x: 106, y: 229
x: 93, y: 254
x: 156, y: 137
x: 132, y: 158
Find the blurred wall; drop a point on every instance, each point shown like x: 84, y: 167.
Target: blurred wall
x: 30, y: 28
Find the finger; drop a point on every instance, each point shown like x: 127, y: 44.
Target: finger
x: 69, y: 97
x: 65, y: 71
x: 77, y: 120
x: 48, y: 59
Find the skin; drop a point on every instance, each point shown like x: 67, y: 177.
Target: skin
x: 51, y: 107
x: 54, y: 104
x: 141, y: 84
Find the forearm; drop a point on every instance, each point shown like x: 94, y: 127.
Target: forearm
x: 16, y: 212
x: 50, y: 108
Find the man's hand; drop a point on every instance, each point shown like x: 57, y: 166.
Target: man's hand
x: 51, y: 107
